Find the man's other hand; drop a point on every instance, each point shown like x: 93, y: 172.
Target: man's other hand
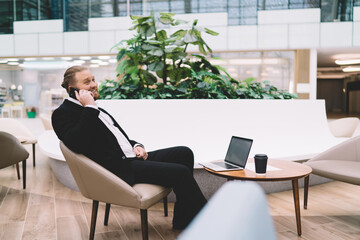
x: 140, y: 152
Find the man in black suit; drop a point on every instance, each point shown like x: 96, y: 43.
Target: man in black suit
x: 90, y: 130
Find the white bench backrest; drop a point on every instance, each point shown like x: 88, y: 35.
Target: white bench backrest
x: 288, y: 129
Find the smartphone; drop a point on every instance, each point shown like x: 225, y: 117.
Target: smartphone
x: 72, y: 92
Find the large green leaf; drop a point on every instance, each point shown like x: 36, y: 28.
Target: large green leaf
x: 149, y: 78
x: 156, y: 52
x: 211, y: 32
x: 189, y: 38
x: 161, y: 35
x: 149, y: 47
x: 156, y: 66
x: 147, y: 30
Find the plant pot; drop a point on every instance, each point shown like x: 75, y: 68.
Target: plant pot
x: 31, y: 114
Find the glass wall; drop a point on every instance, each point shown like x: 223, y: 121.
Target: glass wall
x: 76, y: 15
x: 240, y: 12
x: 108, y: 8
x: 336, y: 10
x: 6, y: 16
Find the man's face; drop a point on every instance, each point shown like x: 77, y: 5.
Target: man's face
x: 85, y: 80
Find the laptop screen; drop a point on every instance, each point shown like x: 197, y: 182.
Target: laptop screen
x: 238, y: 151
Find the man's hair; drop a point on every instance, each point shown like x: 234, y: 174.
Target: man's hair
x: 69, y: 76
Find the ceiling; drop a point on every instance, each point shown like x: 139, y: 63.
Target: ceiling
x: 327, y: 68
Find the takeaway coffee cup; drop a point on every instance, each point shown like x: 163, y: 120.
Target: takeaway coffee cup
x: 260, y: 163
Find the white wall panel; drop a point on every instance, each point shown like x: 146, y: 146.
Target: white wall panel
x: 51, y: 43
x: 26, y: 44
x: 205, y: 19
x: 356, y: 16
x: 124, y: 35
x: 101, y: 41
x: 110, y: 23
x: 356, y: 36
x: 289, y: 16
x: 242, y: 37
x: 7, y: 45
x: 336, y: 34
x: 273, y: 36
x: 76, y: 42
x: 304, y: 35
x: 40, y: 26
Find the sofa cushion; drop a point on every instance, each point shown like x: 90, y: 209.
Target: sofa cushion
x: 346, y: 171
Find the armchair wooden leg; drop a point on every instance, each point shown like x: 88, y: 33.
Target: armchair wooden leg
x: 306, y: 190
x: 93, y: 219
x: 17, y: 170
x: 165, y: 206
x: 144, y: 224
x: 24, y: 173
x: 107, y: 211
x: 33, y: 150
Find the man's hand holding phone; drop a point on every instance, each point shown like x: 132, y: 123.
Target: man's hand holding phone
x: 83, y: 96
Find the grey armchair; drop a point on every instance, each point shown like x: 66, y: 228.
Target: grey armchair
x: 341, y: 162
x: 12, y: 152
x: 99, y: 184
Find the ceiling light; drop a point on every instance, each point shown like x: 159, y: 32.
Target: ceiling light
x: 48, y: 58
x: 95, y: 61
x: 13, y: 59
x: 113, y: 60
x: 29, y: 59
x: 47, y: 65
x: 104, y: 63
x: 3, y: 61
x: 13, y: 63
x: 104, y: 57
x: 94, y: 65
x: 85, y: 57
x: 79, y: 61
x: 347, y: 61
x: 66, y: 58
x: 351, y: 69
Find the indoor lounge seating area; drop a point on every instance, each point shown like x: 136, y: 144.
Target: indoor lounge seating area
x: 89, y: 90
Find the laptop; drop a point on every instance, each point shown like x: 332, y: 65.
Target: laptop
x: 236, y: 156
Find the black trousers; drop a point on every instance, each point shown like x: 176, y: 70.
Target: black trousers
x: 173, y: 167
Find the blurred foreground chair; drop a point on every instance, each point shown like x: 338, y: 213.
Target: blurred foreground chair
x: 22, y: 133
x: 344, y: 127
x: 12, y: 152
x: 46, y: 120
x: 238, y: 210
x: 100, y: 185
x: 341, y: 162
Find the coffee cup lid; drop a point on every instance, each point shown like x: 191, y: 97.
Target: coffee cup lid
x: 260, y: 155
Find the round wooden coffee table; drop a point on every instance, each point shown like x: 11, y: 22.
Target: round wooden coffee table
x: 287, y: 171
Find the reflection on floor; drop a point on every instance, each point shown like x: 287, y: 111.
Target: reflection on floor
x: 48, y: 210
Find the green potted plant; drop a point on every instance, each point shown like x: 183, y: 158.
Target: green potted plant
x: 156, y: 65
x: 31, y: 112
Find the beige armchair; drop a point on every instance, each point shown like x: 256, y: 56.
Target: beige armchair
x: 22, y: 133
x: 12, y: 152
x: 344, y: 127
x: 341, y: 162
x: 46, y: 121
x: 100, y: 185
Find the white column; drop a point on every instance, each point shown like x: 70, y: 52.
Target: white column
x: 313, y: 73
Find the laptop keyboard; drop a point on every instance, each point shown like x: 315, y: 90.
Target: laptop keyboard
x: 225, y: 165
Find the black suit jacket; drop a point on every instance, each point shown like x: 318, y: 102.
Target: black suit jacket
x: 81, y: 130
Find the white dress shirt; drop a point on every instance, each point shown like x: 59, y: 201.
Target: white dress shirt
x: 121, y: 139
